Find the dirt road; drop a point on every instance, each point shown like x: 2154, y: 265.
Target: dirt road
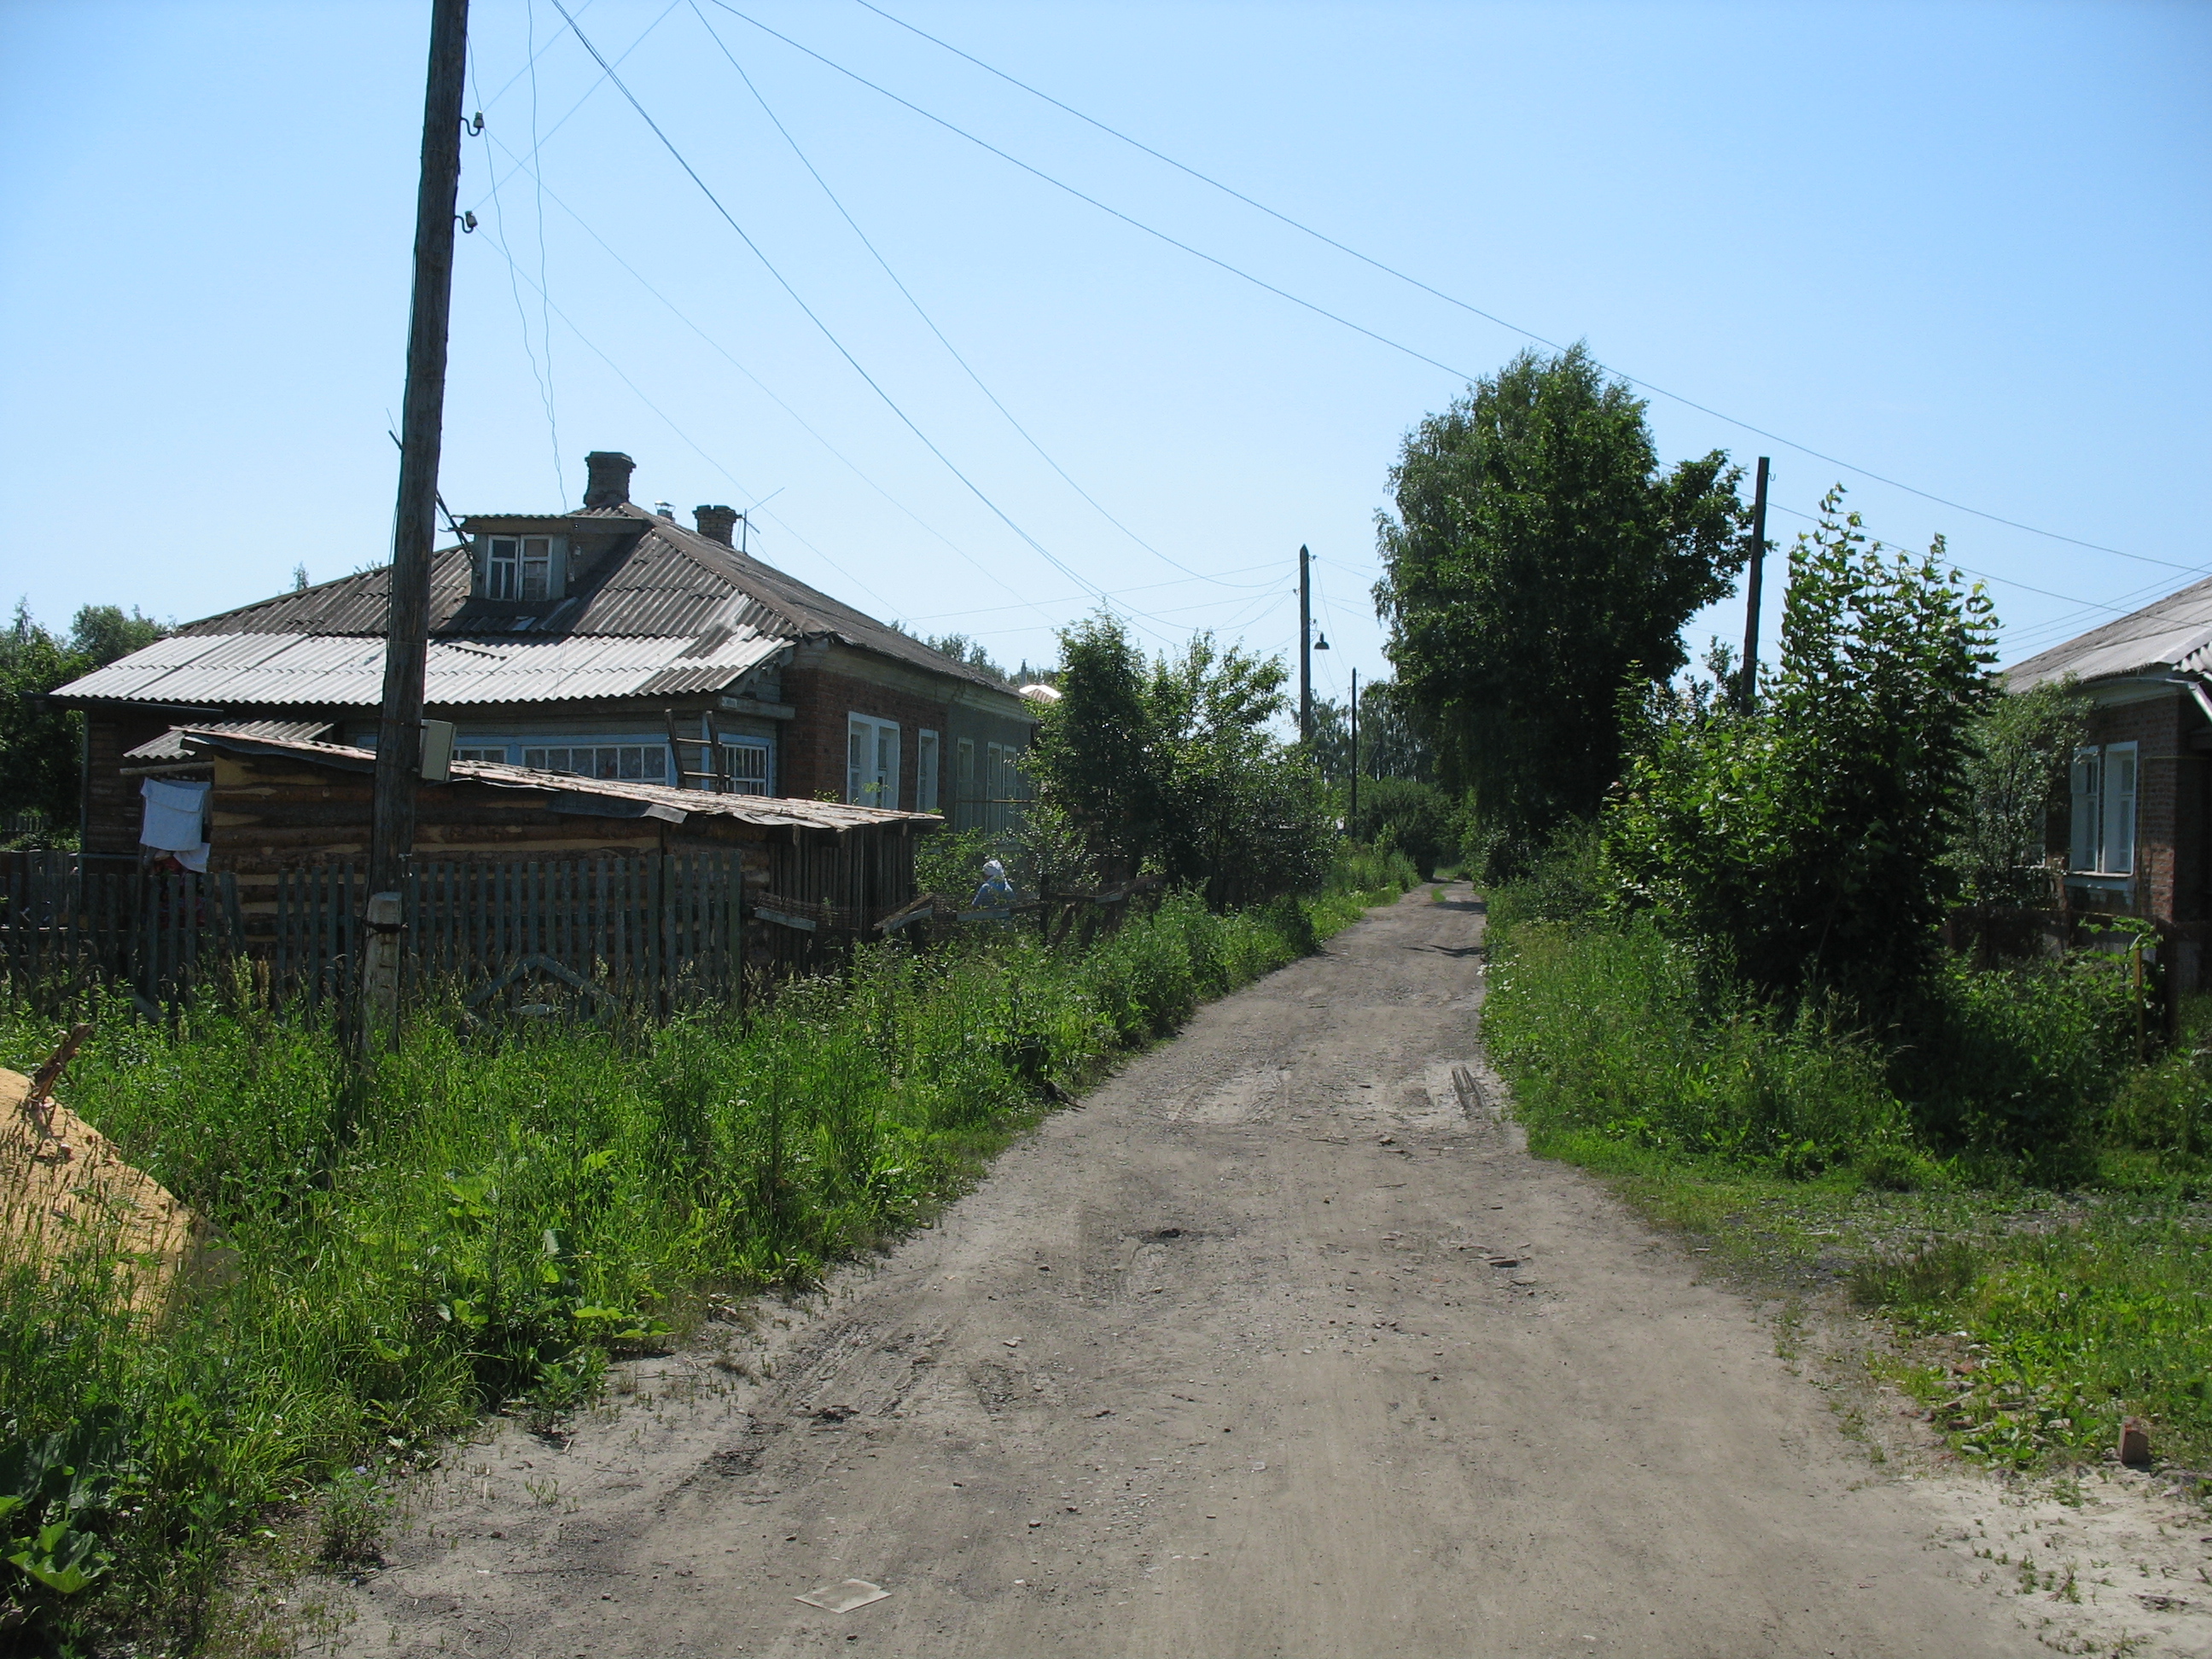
x: 1268, y: 1347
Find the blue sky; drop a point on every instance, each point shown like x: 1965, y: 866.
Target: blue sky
x: 1961, y: 246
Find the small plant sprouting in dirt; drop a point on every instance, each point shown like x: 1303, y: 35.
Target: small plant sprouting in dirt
x: 354, y: 1507
x: 544, y: 1492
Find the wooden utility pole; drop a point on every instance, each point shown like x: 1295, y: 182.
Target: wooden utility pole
x: 1355, y: 744
x: 1305, y: 646
x: 406, y: 645
x: 1751, y: 588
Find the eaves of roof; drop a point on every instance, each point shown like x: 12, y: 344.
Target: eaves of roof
x: 347, y: 671
x: 586, y: 797
x: 2173, y: 634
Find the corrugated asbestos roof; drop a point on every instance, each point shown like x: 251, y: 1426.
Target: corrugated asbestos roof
x: 635, y: 577
x: 578, y: 794
x: 2174, y: 634
x: 228, y: 669
x: 170, y: 745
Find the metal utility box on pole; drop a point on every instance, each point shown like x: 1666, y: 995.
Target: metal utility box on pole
x: 406, y: 647
x: 1305, y: 646
x: 1751, y: 587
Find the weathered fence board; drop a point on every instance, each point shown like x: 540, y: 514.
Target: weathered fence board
x: 658, y: 932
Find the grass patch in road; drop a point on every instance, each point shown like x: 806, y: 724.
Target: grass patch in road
x: 489, y: 1216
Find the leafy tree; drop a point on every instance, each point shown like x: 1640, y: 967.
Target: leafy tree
x: 2017, y: 755
x: 103, y: 633
x: 1418, y: 818
x: 1169, y: 766
x: 962, y: 649
x: 1393, y: 743
x: 38, y: 744
x: 1806, y: 842
x: 1538, y: 560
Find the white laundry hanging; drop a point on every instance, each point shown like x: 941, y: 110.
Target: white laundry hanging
x: 175, y: 814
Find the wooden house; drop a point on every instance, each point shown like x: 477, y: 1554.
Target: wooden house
x: 810, y: 871
x: 609, y: 643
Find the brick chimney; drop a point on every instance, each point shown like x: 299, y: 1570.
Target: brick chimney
x: 715, y: 523
x: 607, y: 477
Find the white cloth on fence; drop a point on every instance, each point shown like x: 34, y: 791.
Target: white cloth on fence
x: 174, y: 816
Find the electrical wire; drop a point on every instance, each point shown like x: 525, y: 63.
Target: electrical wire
x: 590, y: 90
x: 589, y: 344
x: 928, y: 322
x: 766, y: 389
x: 1449, y: 299
x: 514, y: 289
x: 828, y: 334
x: 544, y: 282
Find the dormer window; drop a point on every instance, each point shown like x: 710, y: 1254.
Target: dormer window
x: 524, y: 568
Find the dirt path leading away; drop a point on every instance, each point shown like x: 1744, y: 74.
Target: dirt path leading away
x: 1269, y: 1347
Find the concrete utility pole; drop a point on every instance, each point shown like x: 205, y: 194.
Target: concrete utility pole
x: 1751, y: 588
x: 1305, y: 646
x: 406, y: 647
x: 1355, y: 744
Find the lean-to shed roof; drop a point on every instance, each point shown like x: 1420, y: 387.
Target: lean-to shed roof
x: 586, y: 796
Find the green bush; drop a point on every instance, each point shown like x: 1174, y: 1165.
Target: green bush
x: 1604, y: 1030
x: 2020, y: 1061
x: 1419, y: 818
x: 1380, y: 872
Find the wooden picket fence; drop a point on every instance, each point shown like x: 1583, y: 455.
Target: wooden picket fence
x: 651, y: 934
x: 70, y: 920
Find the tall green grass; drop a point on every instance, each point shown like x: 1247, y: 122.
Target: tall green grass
x: 1923, y: 1156
x: 488, y: 1215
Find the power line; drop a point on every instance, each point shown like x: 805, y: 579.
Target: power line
x: 828, y: 334
x: 588, y: 91
x: 545, y: 283
x: 514, y: 289
x: 800, y: 421
x: 927, y: 321
x: 766, y: 391
x: 594, y: 348
x: 1112, y: 212
x: 1426, y: 288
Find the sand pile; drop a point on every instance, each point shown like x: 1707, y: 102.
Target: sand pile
x: 67, y: 1193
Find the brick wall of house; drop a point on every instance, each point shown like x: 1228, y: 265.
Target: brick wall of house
x: 2171, y: 789
x: 813, y: 758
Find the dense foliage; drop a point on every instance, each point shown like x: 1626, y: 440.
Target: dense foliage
x: 2016, y: 760
x: 1539, y: 560
x: 1416, y: 817
x: 1170, y: 766
x: 1807, y: 842
x: 1392, y: 741
x: 38, y: 745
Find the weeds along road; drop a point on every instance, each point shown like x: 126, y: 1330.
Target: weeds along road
x: 1224, y: 1361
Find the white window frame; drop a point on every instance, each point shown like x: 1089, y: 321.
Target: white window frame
x: 508, y: 567
x: 524, y: 748
x: 925, y: 770
x: 2103, y: 787
x: 763, y: 785
x: 871, y: 761
x: 1000, y: 790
